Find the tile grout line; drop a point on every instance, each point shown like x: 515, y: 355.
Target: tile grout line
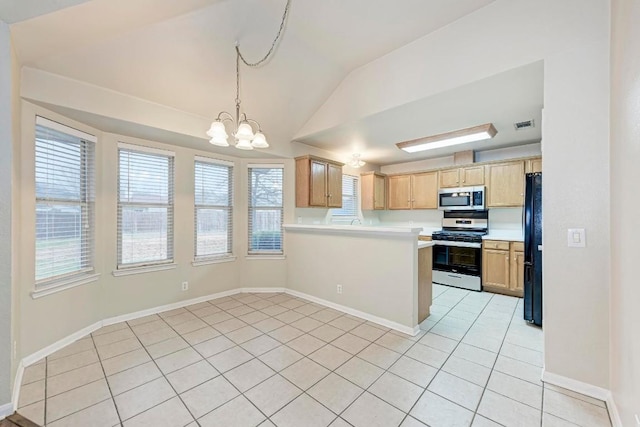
x: 475, y: 413
x: 450, y: 354
x: 113, y: 400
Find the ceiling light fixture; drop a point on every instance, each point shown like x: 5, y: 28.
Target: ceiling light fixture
x: 461, y: 136
x: 243, y: 133
x: 355, y: 161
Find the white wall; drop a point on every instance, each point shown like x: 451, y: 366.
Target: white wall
x: 625, y: 175
x: 6, y: 142
x: 572, y: 38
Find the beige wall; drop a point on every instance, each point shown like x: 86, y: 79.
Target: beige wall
x: 625, y: 175
x: 5, y: 212
x: 378, y: 274
x: 113, y: 296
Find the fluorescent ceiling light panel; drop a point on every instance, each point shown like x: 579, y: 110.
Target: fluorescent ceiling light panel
x: 462, y: 136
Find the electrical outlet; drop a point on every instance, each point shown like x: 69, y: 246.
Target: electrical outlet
x: 185, y: 286
x: 339, y: 289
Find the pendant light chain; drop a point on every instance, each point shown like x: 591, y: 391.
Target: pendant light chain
x: 273, y: 45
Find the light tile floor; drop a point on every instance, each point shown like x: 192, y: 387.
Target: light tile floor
x: 272, y: 359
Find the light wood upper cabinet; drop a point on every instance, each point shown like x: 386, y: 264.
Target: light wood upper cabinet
x: 318, y: 182
x: 334, y: 185
x: 534, y: 165
x: 373, y: 191
x: 472, y: 175
x: 462, y: 177
x: 399, y: 192
x: 505, y: 184
x: 503, y: 267
x: 424, y: 190
x: 417, y: 191
x: 449, y: 178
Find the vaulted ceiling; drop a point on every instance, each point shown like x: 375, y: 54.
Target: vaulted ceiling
x: 180, y: 54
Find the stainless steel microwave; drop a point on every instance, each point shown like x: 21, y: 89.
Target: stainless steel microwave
x: 463, y: 198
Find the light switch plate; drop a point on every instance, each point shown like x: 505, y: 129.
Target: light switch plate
x: 576, y: 238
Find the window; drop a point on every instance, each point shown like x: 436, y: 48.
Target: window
x: 265, y: 209
x: 213, y: 208
x: 349, y: 198
x: 64, y: 180
x: 145, y: 206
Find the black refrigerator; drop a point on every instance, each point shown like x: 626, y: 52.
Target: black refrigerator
x: 533, y: 249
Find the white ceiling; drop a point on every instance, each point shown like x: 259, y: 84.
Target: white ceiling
x: 181, y: 55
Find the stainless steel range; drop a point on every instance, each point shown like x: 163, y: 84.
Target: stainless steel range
x: 457, y: 250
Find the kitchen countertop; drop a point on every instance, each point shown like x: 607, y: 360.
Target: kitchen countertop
x: 424, y: 244
x: 355, y: 229
x: 510, y: 235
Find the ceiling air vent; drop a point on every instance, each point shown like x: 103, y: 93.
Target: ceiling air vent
x: 523, y: 125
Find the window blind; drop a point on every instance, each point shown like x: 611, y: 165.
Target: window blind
x: 213, y: 208
x: 145, y: 207
x: 265, y: 209
x: 64, y: 189
x: 349, y: 197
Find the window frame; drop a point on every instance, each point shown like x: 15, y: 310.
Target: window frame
x: 335, y: 212
x: 229, y: 207
x: 170, y: 205
x: 86, y: 202
x: 250, y: 209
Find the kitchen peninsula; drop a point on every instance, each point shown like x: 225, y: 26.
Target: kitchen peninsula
x: 379, y: 273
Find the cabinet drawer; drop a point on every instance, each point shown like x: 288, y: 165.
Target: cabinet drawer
x: 425, y: 238
x: 495, y: 244
x: 518, y: 246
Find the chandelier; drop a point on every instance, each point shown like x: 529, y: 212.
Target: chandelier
x: 245, y: 138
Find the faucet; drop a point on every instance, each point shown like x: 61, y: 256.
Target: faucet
x: 354, y: 220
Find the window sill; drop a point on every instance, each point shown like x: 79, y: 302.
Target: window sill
x: 264, y: 257
x: 65, y: 284
x: 218, y: 260
x: 143, y: 269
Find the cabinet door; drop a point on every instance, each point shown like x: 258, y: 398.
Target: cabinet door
x: 473, y: 175
x: 495, y: 268
x: 334, y: 185
x: 505, y: 184
x: 449, y: 178
x: 379, y: 190
x: 517, y: 271
x: 399, y: 192
x: 318, y: 184
x: 424, y: 190
x: 534, y: 165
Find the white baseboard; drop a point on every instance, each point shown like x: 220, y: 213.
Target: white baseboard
x: 167, y: 307
x: 6, y: 410
x: 575, y: 385
x: 614, y: 415
x: 361, y: 314
x: 15, y: 398
x: 587, y: 390
x: 262, y: 290
x: 50, y: 349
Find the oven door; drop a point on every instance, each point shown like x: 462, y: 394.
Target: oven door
x: 458, y: 257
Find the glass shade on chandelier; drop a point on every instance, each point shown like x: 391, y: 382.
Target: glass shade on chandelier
x: 218, y: 134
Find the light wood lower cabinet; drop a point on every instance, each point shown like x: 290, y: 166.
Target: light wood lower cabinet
x: 503, y: 267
